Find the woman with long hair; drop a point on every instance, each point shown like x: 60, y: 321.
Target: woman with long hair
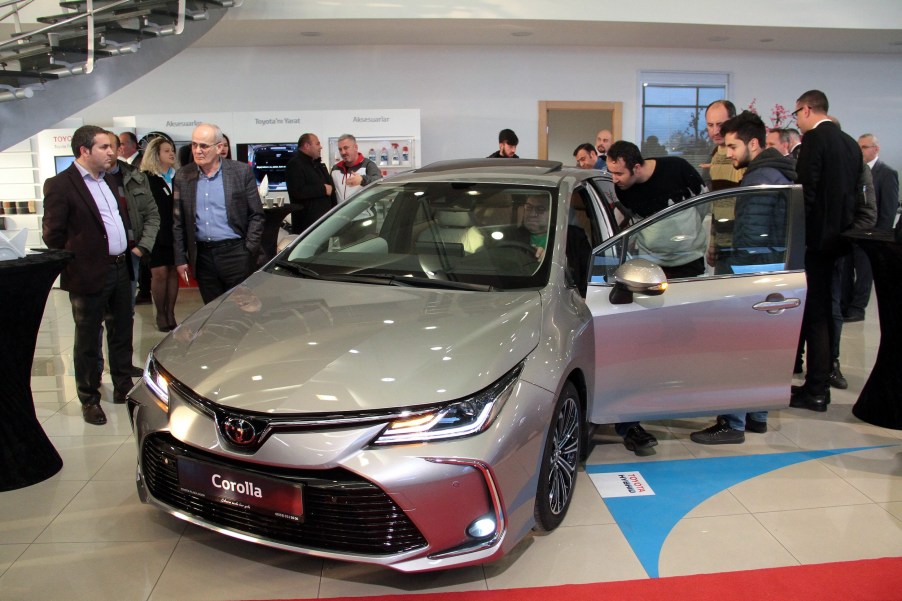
x: 159, y: 163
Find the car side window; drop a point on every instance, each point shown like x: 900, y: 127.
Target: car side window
x: 747, y: 232
x: 750, y: 233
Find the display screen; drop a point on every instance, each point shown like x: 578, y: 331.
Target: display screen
x: 62, y: 163
x: 268, y: 159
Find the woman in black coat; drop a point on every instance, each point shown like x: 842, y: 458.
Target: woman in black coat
x: 159, y: 163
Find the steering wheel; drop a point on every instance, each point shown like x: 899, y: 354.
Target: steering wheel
x: 517, y: 245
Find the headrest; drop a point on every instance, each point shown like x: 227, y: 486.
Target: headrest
x: 453, y: 218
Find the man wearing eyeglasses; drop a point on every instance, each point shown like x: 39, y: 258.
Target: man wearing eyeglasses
x: 217, y: 216
x: 829, y: 168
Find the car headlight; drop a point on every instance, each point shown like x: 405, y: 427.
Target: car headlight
x: 157, y: 380
x: 457, y: 419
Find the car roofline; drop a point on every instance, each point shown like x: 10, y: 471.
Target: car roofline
x: 532, y: 166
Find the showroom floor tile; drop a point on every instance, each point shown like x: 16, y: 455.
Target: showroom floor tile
x: 83, y: 534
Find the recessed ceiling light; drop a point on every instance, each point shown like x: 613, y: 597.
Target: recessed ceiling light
x: 521, y: 34
x: 311, y: 34
x: 718, y: 38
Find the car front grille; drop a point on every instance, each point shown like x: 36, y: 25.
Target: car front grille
x: 343, y: 513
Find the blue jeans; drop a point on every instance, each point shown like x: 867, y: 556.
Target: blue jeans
x: 737, y: 420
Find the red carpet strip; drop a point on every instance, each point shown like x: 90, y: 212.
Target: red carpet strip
x: 865, y: 580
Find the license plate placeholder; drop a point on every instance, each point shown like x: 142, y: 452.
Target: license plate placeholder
x: 249, y: 491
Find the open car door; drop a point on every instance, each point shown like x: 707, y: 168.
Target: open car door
x: 723, y: 335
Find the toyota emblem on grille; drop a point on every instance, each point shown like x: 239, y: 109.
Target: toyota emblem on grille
x: 239, y: 431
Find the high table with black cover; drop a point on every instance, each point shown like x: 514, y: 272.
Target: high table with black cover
x: 880, y: 401
x: 26, y: 454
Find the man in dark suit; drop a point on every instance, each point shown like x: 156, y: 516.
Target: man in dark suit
x: 857, y: 278
x: 128, y: 149
x: 82, y: 213
x: 310, y: 189
x: 829, y: 168
x: 217, y: 216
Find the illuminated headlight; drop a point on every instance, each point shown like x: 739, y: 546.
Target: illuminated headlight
x: 157, y: 380
x: 453, y: 420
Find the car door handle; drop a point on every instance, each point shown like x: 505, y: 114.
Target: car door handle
x: 776, y: 304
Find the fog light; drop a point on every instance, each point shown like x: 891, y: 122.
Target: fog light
x: 481, y: 528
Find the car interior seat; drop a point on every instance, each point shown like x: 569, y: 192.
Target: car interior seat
x: 454, y: 234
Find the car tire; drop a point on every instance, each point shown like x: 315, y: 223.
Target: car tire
x: 557, y: 474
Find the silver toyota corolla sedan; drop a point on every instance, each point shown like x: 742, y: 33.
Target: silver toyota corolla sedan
x: 414, y: 380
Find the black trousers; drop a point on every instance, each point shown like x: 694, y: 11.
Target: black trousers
x: 817, y: 320
x: 857, y: 281
x: 111, y: 307
x: 222, y: 267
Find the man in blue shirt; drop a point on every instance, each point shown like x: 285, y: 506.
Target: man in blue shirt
x: 217, y: 216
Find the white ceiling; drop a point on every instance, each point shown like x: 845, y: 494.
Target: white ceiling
x: 451, y: 32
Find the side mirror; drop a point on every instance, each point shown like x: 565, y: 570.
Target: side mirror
x: 637, y: 276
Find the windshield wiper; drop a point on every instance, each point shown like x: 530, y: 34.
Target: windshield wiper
x: 436, y: 283
x: 298, y: 269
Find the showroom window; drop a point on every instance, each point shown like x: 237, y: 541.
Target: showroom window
x: 672, y: 120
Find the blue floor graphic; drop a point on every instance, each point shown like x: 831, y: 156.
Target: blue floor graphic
x: 679, y: 486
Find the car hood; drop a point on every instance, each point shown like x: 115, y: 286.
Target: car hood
x: 278, y: 344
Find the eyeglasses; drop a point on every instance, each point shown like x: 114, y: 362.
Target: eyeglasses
x: 204, y: 147
x: 866, y: 146
x: 795, y: 113
x: 537, y: 209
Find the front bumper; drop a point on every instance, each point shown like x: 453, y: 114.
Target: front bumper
x: 407, y: 507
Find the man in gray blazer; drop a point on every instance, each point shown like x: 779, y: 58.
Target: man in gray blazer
x: 217, y: 216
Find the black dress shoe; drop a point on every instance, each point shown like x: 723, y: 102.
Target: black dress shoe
x: 93, y: 414
x: 853, y: 317
x: 135, y: 372
x: 812, y: 402
x: 120, y: 398
x: 797, y: 390
x: 836, y: 379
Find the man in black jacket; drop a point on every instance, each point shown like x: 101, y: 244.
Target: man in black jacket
x: 857, y: 278
x: 309, y: 184
x: 829, y: 169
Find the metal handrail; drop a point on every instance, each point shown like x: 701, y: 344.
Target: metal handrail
x: 19, y: 5
x: 89, y: 15
x: 8, y: 93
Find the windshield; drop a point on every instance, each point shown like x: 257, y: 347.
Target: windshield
x: 492, y: 236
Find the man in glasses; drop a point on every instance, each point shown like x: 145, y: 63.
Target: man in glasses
x: 217, y: 216
x: 829, y: 168
x: 534, y: 232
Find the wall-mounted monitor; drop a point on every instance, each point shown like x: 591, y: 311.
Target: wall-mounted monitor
x: 269, y: 159
x: 62, y: 162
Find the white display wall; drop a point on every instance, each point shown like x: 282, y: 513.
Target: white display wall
x: 25, y: 167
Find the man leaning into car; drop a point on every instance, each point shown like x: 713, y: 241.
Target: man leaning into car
x: 644, y: 187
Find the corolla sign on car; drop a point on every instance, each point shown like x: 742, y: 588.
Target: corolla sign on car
x: 414, y: 380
